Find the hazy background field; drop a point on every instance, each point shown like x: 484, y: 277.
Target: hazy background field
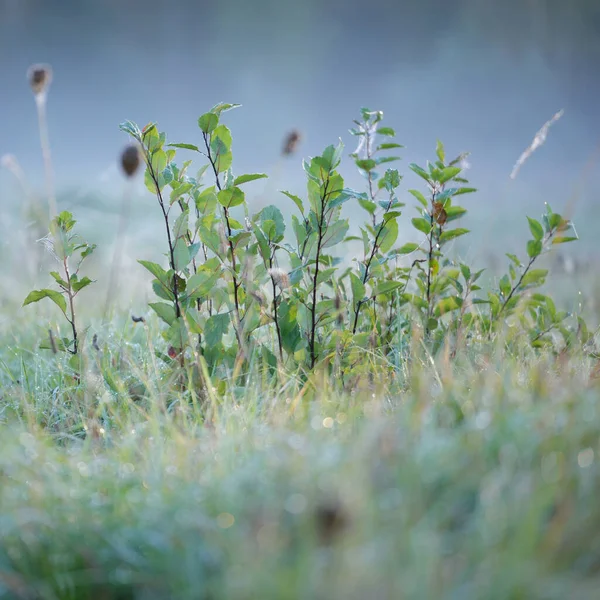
x: 482, y: 76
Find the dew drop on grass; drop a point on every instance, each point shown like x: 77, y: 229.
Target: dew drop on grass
x: 296, y: 504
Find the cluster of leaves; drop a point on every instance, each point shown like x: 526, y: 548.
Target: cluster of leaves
x: 240, y: 288
x: 237, y: 287
x: 65, y: 246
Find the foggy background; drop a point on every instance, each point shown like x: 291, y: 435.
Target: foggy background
x: 481, y: 75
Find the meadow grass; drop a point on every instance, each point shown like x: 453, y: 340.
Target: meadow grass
x: 471, y: 478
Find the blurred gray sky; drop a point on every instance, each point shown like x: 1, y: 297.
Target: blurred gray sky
x: 481, y: 75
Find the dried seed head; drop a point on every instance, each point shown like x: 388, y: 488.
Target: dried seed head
x: 280, y: 277
x: 39, y: 77
x: 337, y: 301
x: 130, y: 159
x: 291, y: 142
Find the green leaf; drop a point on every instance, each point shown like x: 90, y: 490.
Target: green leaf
x: 369, y: 206
x: 181, y: 226
x: 231, y: 197
x: 208, y: 122
x: 388, y: 236
x: 367, y: 164
x: 452, y: 233
x: 158, y: 161
x: 464, y: 190
x: 420, y: 172
x: 273, y: 214
x: 55, y: 296
x: 466, y: 271
x: 448, y: 173
x: 181, y: 254
x: 505, y: 285
x: 206, y: 201
x: 514, y: 259
x: 386, y: 131
x: 407, y: 248
x: 419, y: 196
x: 446, y: 305
x: 155, y: 269
x: 162, y: 290
x: 335, y: 233
x: 534, y: 277
x: 389, y: 146
x: 223, y: 107
x: 454, y: 212
x: 386, y: 287
x: 250, y: 177
x: 358, y: 288
x: 185, y: 147
x: 288, y: 323
x: 165, y: 311
x: 441, y: 154
x: 82, y: 283
x: 415, y: 301
x: 201, y: 283
x: 534, y: 248
x: 59, y: 279
x: 537, y: 231
x: 220, y: 146
x: 564, y: 239
x: 183, y: 189
x: 391, y: 179
x: 215, y: 328
x: 422, y: 225
x: 297, y: 201
x: 131, y: 128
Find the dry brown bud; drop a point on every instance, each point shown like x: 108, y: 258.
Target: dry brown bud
x: 39, y: 77
x: 130, y: 159
x: 439, y: 213
x: 291, y: 142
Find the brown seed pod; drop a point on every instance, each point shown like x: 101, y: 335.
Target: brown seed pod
x: 130, y: 159
x: 331, y: 519
x: 291, y: 142
x: 439, y: 213
x: 39, y: 77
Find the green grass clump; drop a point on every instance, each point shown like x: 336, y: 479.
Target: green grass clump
x: 481, y: 483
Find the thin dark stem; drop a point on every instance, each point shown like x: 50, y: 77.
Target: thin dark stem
x: 71, y: 297
x: 518, y: 284
x: 236, y: 283
x: 429, y: 259
x: 275, y: 316
x: 372, y: 195
x: 542, y: 333
x: 374, y: 251
x: 313, y: 355
x: 169, y: 239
